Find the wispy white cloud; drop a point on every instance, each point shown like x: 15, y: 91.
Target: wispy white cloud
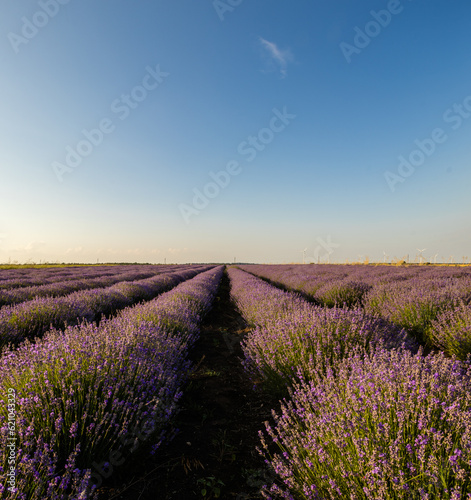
x: 275, y: 58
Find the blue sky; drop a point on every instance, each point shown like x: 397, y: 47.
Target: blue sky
x: 213, y: 130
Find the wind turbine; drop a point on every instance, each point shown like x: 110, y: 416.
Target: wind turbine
x: 420, y: 254
x: 384, y: 258
x: 304, y: 254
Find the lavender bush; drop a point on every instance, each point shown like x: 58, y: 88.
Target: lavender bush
x: 451, y: 331
x: 306, y: 342
x: 413, y: 305
x: 388, y: 425
x: 294, y: 338
x: 341, y: 292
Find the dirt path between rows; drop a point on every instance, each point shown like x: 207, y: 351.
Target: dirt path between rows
x: 213, y: 454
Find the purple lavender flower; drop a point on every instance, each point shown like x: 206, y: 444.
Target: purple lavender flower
x: 451, y: 331
x: 102, y: 389
x: 385, y: 426
x: 293, y: 338
x: 31, y: 319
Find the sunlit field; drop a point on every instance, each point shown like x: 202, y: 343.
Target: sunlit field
x: 367, y: 367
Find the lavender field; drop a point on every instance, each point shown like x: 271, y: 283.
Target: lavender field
x: 235, y: 250
x: 367, y: 414
x: 367, y: 369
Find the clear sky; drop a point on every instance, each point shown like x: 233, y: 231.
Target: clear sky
x: 203, y: 131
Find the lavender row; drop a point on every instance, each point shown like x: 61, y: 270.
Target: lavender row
x: 372, y: 422
x: 38, y: 279
x: 15, y: 278
x: 33, y: 318
x: 417, y: 303
x: 451, y: 331
x: 34, y: 275
x: 330, y: 285
x: 412, y: 298
x: 87, y: 398
x: 292, y: 339
x: 304, y: 275
x: 60, y: 288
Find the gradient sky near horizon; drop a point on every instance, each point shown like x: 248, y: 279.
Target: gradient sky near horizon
x: 233, y: 129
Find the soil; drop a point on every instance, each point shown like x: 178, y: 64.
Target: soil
x: 213, y: 453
